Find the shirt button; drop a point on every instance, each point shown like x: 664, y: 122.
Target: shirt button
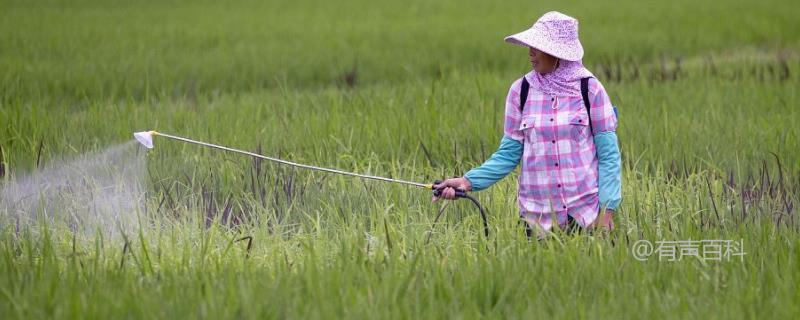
x: 556, y: 164
x: 551, y: 119
x: 564, y: 207
x: 524, y: 125
x: 552, y: 99
x: 554, y: 141
x: 559, y: 186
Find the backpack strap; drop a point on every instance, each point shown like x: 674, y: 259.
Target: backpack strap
x: 585, y: 94
x: 525, y: 87
x: 523, y: 94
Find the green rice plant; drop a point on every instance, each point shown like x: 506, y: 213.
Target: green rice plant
x: 411, y: 90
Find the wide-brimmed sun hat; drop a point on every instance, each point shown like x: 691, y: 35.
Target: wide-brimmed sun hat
x: 554, y: 33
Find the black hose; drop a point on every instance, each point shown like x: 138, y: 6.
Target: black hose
x: 463, y: 194
x: 483, y: 214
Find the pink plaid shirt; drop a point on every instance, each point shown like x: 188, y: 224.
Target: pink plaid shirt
x: 559, y: 163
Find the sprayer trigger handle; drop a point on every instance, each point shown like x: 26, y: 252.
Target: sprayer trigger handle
x: 438, y: 192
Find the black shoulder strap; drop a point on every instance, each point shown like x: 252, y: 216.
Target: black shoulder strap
x: 585, y: 94
x: 525, y: 87
x: 523, y: 94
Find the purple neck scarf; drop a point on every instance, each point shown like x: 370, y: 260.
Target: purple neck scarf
x: 564, y: 81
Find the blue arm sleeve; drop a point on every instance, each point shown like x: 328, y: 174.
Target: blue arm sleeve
x: 610, y: 175
x: 499, y: 165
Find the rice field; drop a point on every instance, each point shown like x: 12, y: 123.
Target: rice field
x: 707, y: 95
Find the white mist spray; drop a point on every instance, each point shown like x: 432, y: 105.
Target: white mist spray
x: 97, y: 191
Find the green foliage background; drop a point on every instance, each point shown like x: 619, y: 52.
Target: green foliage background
x: 707, y: 93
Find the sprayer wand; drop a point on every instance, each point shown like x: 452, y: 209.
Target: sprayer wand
x: 146, y: 139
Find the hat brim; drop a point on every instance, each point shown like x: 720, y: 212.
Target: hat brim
x: 570, y: 51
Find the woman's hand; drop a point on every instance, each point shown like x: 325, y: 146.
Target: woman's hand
x: 604, y: 221
x: 450, y: 185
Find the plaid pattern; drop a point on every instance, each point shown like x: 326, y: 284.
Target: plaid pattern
x: 559, y: 162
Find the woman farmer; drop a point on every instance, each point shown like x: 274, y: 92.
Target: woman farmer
x: 567, y: 146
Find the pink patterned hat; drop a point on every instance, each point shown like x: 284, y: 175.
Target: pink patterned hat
x: 555, y: 34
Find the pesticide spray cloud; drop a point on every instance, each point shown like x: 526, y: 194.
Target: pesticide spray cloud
x: 102, y: 191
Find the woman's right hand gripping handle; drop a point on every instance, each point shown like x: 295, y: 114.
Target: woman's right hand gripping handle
x: 453, y: 188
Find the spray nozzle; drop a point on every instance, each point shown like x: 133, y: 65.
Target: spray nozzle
x: 145, y: 138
